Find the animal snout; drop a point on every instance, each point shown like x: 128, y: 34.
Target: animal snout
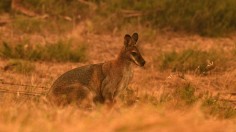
x: 143, y: 62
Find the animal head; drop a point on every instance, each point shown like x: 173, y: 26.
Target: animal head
x: 131, y: 50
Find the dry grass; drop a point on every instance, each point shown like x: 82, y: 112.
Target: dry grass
x: 139, y: 118
x: 20, y: 66
x: 158, y: 100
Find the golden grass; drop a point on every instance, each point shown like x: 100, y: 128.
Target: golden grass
x: 154, y: 107
x: 142, y: 117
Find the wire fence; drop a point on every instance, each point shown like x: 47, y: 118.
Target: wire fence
x: 44, y: 89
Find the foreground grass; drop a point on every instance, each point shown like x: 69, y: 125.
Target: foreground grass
x: 185, y: 96
x: 31, y: 116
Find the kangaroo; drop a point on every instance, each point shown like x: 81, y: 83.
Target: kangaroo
x: 99, y: 83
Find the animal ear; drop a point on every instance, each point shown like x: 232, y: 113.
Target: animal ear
x: 135, y: 37
x: 127, y: 40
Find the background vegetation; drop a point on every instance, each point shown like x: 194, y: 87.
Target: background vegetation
x: 60, y: 51
x: 187, y: 84
x: 204, y: 17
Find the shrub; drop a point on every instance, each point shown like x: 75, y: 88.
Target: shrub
x: 38, y: 25
x: 5, y: 6
x: 192, y: 60
x: 186, y: 94
x: 205, y: 17
x: 60, y: 51
x: 213, y: 106
x: 71, y: 8
x: 20, y: 66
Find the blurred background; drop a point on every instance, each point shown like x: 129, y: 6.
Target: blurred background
x: 208, y: 18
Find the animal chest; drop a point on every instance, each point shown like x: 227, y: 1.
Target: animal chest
x: 125, y: 79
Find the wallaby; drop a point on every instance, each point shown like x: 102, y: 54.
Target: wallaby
x: 100, y: 83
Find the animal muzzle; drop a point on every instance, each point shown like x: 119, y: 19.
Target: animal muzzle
x: 141, y: 62
x: 138, y: 60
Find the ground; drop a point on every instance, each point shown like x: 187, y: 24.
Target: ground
x: 147, y: 112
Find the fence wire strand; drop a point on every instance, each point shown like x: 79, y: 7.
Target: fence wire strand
x: 22, y: 92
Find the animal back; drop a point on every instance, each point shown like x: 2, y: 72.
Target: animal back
x: 80, y: 75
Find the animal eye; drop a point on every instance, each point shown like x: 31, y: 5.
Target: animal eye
x: 134, y: 53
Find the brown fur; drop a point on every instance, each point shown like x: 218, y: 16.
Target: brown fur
x: 98, y: 82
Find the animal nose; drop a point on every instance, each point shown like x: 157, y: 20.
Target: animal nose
x: 143, y: 63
